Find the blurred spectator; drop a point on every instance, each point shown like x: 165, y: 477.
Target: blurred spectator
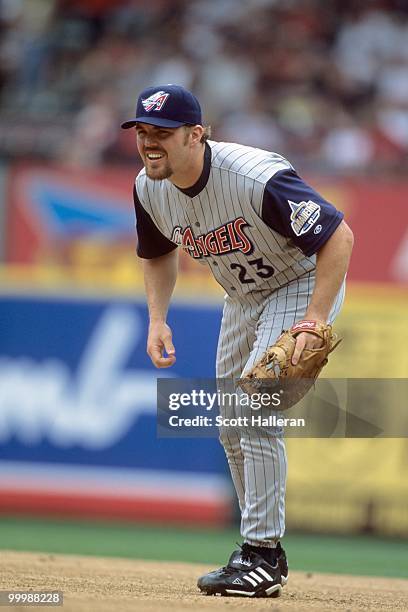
x: 226, y: 83
x: 324, y: 83
x: 347, y: 146
x: 367, y: 39
x: 94, y: 130
x: 256, y: 128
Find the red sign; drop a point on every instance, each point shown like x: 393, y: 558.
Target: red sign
x: 68, y: 217
x: 377, y: 212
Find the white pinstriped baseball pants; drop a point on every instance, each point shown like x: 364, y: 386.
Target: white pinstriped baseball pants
x: 258, y: 464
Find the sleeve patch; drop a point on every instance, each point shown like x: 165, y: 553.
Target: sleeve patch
x: 304, y: 215
x: 295, y: 210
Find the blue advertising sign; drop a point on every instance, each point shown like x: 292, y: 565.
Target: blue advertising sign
x: 78, y: 409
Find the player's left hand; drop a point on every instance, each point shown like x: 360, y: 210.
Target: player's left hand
x: 305, y: 340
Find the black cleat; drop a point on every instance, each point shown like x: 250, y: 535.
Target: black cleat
x: 247, y: 575
x: 283, y: 563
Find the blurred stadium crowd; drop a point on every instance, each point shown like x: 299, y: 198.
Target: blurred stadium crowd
x: 324, y: 83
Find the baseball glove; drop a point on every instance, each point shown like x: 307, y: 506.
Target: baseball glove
x: 275, y: 371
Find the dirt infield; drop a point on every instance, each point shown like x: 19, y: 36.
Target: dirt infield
x: 119, y: 585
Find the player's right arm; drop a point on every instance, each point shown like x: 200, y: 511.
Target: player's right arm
x: 160, y: 264
x: 160, y: 276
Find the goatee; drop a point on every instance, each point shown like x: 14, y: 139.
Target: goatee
x: 159, y: 175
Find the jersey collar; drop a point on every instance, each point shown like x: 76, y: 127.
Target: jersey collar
x: 195, y: 189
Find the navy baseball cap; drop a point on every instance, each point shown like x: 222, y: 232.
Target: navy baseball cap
x: 168, y: 106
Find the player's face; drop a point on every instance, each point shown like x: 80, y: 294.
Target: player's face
x: 164, y: 151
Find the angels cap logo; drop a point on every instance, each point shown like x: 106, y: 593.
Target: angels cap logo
x: 304, y: 216
x: 155, y: 102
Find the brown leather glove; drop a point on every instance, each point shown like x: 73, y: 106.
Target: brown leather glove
x: 275, y: 366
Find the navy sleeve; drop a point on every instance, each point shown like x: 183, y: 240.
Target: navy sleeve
x: 150, y: 241
x: 292, y: 208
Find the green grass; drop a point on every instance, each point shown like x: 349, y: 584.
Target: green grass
x: 358, y: 555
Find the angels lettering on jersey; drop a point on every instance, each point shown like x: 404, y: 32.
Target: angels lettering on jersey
x: 228, y: 238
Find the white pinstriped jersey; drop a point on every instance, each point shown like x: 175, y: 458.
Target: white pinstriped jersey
x: 258, y: 226
x: 238, y: 219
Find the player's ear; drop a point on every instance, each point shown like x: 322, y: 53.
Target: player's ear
x: 196, y: 134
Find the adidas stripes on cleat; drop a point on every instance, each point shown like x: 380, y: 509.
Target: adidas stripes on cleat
x: 247, y: 575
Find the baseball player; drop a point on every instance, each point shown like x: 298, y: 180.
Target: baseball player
x: 281, y: 253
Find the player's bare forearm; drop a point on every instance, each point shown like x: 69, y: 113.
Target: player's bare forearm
x: 332, y: 263
x: 331, y: 266
x: 160, y: 276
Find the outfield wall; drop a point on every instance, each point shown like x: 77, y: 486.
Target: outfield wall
x: 78, y: 414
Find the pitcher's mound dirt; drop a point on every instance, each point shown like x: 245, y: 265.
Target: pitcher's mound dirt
x: 94, y: 584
